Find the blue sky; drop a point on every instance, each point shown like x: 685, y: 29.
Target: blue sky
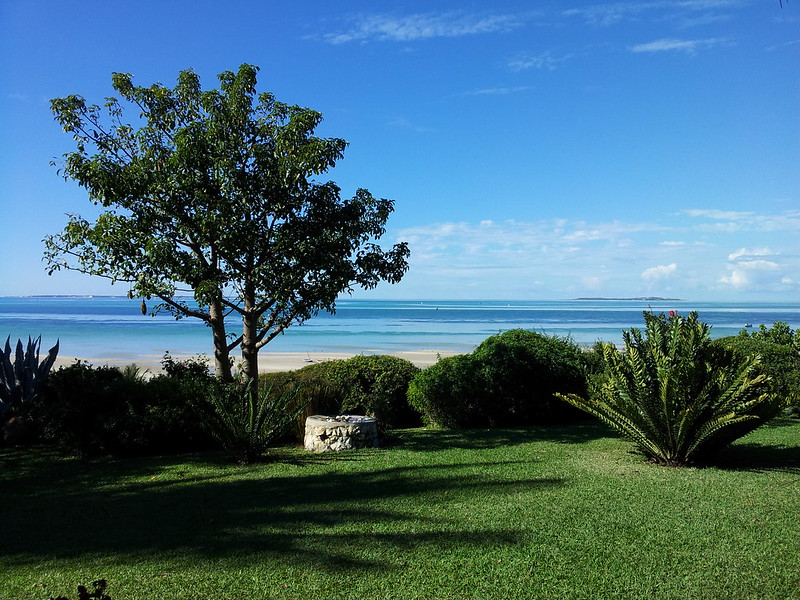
x: 535, y: 150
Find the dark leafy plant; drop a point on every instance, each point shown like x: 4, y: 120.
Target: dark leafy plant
x: 509, y: 380
x: 679, y: 397
x: 375, y: 385
x: 247, y: 419
x: 98, y: 592
x: 102, y: 410
x: 312, y: 390
x: 780, y: 361
x: 22, y: 375
x: 780, y: 333
x: 444, y: 393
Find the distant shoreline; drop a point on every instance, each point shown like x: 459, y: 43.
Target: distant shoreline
x: 637, y: 299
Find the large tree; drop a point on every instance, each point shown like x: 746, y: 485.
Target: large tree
x: 212, y: 192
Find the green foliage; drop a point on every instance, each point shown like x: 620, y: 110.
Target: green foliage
x: 98, y: 592
x: 510, y: 379
x: 446, y: 393
x: 780, y: 362
x: 22, y: 375
x: 246, y: 418
x: 214, y: 191
x: 677, y: 395
x: 780, y: 333
x: 374, y: 385
x: 100, y: 410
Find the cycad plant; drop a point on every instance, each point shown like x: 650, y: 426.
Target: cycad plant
x: 246, y: 419
x: 679, y: 397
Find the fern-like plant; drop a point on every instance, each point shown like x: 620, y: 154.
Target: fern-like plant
x: 679, y: 397
x: 246, y: 419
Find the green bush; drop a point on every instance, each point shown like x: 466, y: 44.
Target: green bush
x: 102, y: 410
x: 509, y: 380
x: 781, y: 362
x: 676, y: 394
x: 445, y: 393
x: 374, y: 385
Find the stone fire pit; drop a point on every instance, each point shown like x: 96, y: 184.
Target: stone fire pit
x: 340, y: 432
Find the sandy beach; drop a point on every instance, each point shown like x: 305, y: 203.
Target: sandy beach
x: 267, y: 361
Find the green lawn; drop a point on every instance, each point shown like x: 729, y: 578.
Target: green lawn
x: 531, y: 513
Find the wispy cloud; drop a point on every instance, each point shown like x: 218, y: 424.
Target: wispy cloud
x: 731, y: 221
x: 605, y: 15
x: 499, y: 91
x: 570, y: 257
x: 544, y: 60
x: 673, y: 44
x: 403, y: 123
x: 406, y: 28
x: 744, y: 253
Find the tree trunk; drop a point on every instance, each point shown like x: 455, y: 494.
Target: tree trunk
x: 222, y: 358
x: 249, y: 346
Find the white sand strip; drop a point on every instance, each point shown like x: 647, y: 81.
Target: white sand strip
x: 267, y: 361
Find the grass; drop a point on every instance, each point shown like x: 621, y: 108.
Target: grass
x: 530, y: 513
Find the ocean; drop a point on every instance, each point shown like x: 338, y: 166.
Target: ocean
x: 114, y: 328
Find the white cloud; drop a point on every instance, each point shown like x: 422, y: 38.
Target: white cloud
x: 604, y: 15
x: 752, y: 274
x: 611, y: 258
x: 500, y: 91
x: 745, y: 253
x: 545, y: 60
x: 671, y: 44
x: 403, y: 123
x: 732, y: 221
x: 737, y: 279
x: 384, y: 27
x: 659, y: 272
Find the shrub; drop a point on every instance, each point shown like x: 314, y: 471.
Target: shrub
x: 445, y: 393
x: 509, y: 380
x: 101, y: 410
x: 374, y: 385
x: 781, y: 362
x: 677, y: 395
x: 246, y: 418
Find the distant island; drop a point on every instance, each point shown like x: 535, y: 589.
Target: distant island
x: 639, y: 299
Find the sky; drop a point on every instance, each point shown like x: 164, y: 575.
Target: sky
x: 534, y: 150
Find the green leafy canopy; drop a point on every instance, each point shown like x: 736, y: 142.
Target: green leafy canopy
x: 213, y: 193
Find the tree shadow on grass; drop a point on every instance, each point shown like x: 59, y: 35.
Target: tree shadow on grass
x: 328, y: 521
x: 423, y: 440
x: 759, y: 458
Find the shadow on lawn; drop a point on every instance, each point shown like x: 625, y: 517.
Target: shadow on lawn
x: 327, y: 521
x: 759, y: 458
x: 426, y: 440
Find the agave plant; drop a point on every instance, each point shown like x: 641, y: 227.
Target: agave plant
x: 22, y: 374
x: 246, y: 419
x: 679, y: 397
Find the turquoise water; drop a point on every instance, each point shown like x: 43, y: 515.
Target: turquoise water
x: 113, y: 327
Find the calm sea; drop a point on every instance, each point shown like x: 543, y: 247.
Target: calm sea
x: 113, y: 327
